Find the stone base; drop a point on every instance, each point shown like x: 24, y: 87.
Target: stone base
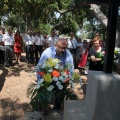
x: 75, y: 110
x: 102, y: 99
x: 33, y: 116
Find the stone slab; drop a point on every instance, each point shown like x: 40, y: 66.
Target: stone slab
x: 75, y: 110
x: 103, y: 96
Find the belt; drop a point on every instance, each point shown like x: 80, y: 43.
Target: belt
x: 9, y: 45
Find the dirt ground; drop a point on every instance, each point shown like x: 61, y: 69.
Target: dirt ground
x: 14, y: 82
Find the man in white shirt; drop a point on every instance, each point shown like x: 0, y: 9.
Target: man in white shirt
x: 52, y: 39
x: 2, y: 32
x: 8, y: 40
x: 38, y: 41
x: 72, y: 45
x: 29, y: 42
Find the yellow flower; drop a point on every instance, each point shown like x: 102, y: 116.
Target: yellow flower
x: 52, y: 62
x: 56, y: 60
x: 47, y: 77
x: 75, y: 76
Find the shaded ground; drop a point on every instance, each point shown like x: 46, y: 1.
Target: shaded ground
x: 14, y: 82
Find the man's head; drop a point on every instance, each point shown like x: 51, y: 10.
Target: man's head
x: 71, y: 34
x: 10, y: 32
x: 61, y: 46
x: 38, y: 33
x: 53, y: 33
x: 30, y: 32
x: 85, y: 43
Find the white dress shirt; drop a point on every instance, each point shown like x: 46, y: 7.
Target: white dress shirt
x: 39, y: 40
x: 29, y: 40
x: 72, y: 44
x: 52, y: 41
x: 8, y: 39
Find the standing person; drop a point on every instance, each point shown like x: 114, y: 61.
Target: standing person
x: 83, y: 47
x: 1, y: 46
x: 60, y: 52
x: 79, y: 44
x: 82, y: 51
x: 29, y: 42
x: 18, y: 46
x: 8, y: 40
x: 38, y: 41
x: 45, y: 45
x: 52, y: 39
x: 72, y: 45
x: 95, y: 61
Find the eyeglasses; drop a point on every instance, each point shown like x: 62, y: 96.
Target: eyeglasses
x: 62, y: 48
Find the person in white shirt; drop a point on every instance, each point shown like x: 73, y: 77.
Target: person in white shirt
x: 8, y: 40
x: 52, y: 39
x: 2, y: 32
x: 79, y: 40
x: 38, y: 41
x: 29, y: 43
x: 45, y: 45
x: 72, y: 45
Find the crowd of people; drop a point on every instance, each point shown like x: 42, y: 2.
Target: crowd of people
x: 36, y: 43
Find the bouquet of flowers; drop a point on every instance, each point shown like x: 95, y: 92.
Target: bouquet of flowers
x: 116, y: 53
x: 53, y: 79
x: 101, y: 55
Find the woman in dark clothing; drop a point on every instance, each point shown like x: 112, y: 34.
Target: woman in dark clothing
x: 95, y: 61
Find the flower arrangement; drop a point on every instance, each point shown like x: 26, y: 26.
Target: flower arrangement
x: 53, y: 79
x: 101, y: 55
x: 116, y: 53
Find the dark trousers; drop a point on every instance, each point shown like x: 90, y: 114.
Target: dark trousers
x: 73, y: 52
x: 38, y: 49
x: 1, y: 56
x: 8, y: 55
x: 29, y: 54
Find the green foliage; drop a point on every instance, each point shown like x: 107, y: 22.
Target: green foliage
x: 100, y: 55
x: 41, y: 100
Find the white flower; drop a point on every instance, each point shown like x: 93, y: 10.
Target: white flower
x: 50, y: 70
x: 66, y: 76
x: 61, y: 67
x: 63, y: 74
x: 55, y: 78
x: 40, y: 81
x: 60, y: 87
x: 57, y: 66
x: 37, y: 86
x: 58, y: 83
x: 44, y: 65
x: 61, y: 78
x: 51, y: 86
x: 49, y: 89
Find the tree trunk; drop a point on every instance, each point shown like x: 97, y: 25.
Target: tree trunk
x: 95, y: 9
